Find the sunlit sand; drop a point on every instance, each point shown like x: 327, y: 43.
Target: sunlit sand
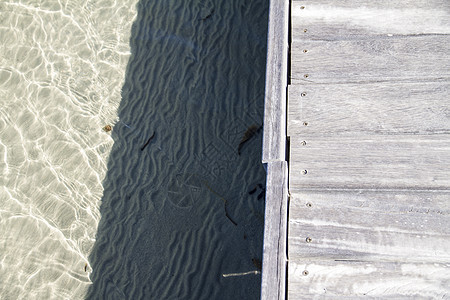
x: 62, y: 66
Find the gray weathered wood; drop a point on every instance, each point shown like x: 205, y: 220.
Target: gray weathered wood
x: 274, y: 136
x: 376, y: 60
x: 274, y: 154
x: 275, y: 232
x: 378, y: 108
x: 330, y: 279
x: 369, y: 217
x: 379, y: 5
x: 368, y: 225
x: 396, y: 162
x: 348, y: 19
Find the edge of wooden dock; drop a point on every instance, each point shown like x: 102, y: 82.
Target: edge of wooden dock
x: 273, y: 285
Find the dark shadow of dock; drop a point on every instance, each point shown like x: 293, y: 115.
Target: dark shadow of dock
x: 194, y: 84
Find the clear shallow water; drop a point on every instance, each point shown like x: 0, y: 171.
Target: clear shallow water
x: 156, y: 223
x: 62, y: 66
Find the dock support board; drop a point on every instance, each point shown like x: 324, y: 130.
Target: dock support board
x: 275, y: 232
x: 274, y: 138
x: 273, y: 284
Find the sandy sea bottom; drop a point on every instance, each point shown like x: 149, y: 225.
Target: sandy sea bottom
x: 89, y: 214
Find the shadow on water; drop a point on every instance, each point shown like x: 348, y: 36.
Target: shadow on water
x: 181, y: 207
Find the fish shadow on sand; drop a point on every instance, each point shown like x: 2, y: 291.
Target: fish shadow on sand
x: 207, y: 16
x: 248, y: 135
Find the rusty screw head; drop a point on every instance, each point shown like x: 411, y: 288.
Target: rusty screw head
x: 305, y: 30
x: 302, y: 7
x: 305, y: 50
x: 107, y: 128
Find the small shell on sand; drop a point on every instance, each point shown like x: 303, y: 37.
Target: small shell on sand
x: 107, y: 128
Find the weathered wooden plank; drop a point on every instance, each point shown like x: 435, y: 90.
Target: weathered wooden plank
x: 389, y: 225
x: 329, y: 279
x: 383, y: 5
x: 370, y: 109
x: 331, y: 20
x: 274, y: 136
x: 273, y: 284
x: 397, y: 162
x: 399, y: 58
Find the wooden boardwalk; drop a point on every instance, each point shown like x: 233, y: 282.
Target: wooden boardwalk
x: 368, y: 150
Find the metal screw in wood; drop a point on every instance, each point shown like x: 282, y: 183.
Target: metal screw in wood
x: 303, y: 94
x: 305, y: 50
x: 305, y: 30
x: 302, y: 7
x: 303, y: 143
x: 305, y: 123
x: 306, y: 75
x: 305, y: 273
x: 308, y: 204
x: 308, y: 239
x: 304, y: 172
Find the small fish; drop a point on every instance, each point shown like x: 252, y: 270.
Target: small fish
x: 208, y: 16
x: 257, y: 263
x: 261, y: 195
x: 252, y: 191
x: 249, y: 133
x: 145, y: 145
x: 259, y: 185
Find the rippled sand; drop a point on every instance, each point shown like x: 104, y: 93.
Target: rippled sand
x: 89, y: 214
x: 62, y: 66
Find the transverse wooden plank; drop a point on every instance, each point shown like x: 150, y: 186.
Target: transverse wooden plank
x: 370, y: 225
x: 399, y: 58
x: 346, y: 19
x: 274, y: 136
x: 273, y: 284
x: 382, y: 5
x: 370, y: 109
x: 329, y: 279
x: 397, y: 162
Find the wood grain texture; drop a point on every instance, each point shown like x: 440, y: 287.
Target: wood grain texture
x: 274, y: 136
x: 273, y: 284
x: 399, y: 58
x: 386, y: 108
x: 386, y: 225
x: 329, y: 279
x: 370, y: 162
x: 369, y: 166
x: 348, y: 19
x: 382, y: 5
